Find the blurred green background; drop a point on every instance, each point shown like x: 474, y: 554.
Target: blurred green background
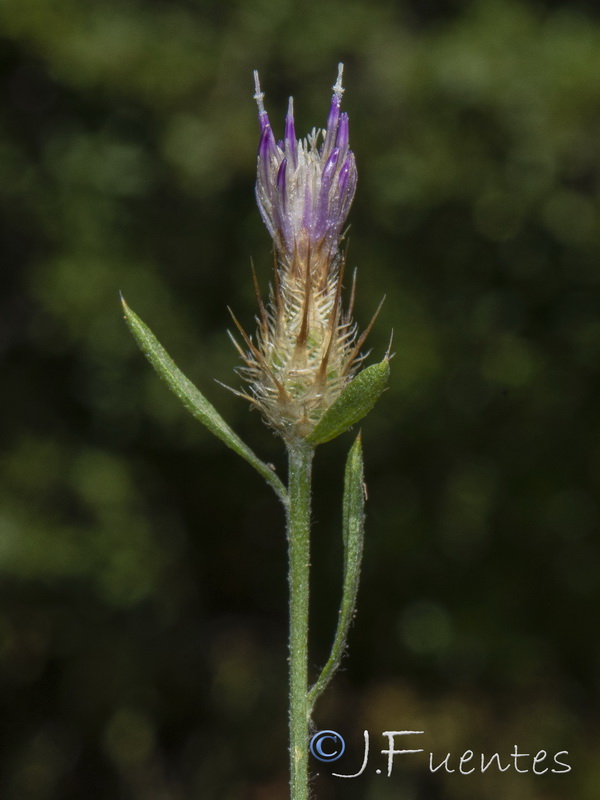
x: 143, y: 586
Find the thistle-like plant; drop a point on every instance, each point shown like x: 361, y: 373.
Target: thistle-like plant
x: 302, y: 372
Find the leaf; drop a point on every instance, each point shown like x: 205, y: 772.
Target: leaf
x: 354, y: 403
x: 354, y: 508
x: 353, y: 537
x: 194, y: 400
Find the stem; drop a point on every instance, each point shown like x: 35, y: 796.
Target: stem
x: 298, y: 531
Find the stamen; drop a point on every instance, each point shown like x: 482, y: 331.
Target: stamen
x: 259, y: 96
x: 290, y: 134
x: 338, y: 89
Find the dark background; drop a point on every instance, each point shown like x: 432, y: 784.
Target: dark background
x: 143, y: 616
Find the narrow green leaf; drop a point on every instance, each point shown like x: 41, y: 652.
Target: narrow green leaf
x: 193, y: 400
x: 353, y: 536
x: 354, y: 507
x: 355, y: 402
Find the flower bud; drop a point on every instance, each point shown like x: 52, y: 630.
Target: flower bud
x: 306, y: 349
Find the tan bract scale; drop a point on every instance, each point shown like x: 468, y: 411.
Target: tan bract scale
x: 305, y: 351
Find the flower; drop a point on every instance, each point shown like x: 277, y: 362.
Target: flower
x: 306, y: 349
x: 304, y: 191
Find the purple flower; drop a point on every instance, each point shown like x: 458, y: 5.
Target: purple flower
x: 305, y: 187
x: 306, y: 348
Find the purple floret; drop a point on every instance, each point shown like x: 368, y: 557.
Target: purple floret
x: 304, y: 191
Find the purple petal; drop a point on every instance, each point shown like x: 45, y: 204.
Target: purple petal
x: 343, y: 132
x: 330, y: 166
x: 332, y: 124
x: 266, y: 151
x: 334, y: 114
x: 327, y: 178
x: 281, y: 182
x: 266, y: 145
x: 347, y: 185
x: 345, y: 172
x: 284, y: 214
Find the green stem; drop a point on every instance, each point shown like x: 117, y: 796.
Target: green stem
x: 298, y: 530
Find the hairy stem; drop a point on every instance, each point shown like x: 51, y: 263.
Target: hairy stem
x: 298, y: 531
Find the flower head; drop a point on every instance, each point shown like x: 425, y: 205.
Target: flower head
x: 306, y: 350
x: 305, y: 188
